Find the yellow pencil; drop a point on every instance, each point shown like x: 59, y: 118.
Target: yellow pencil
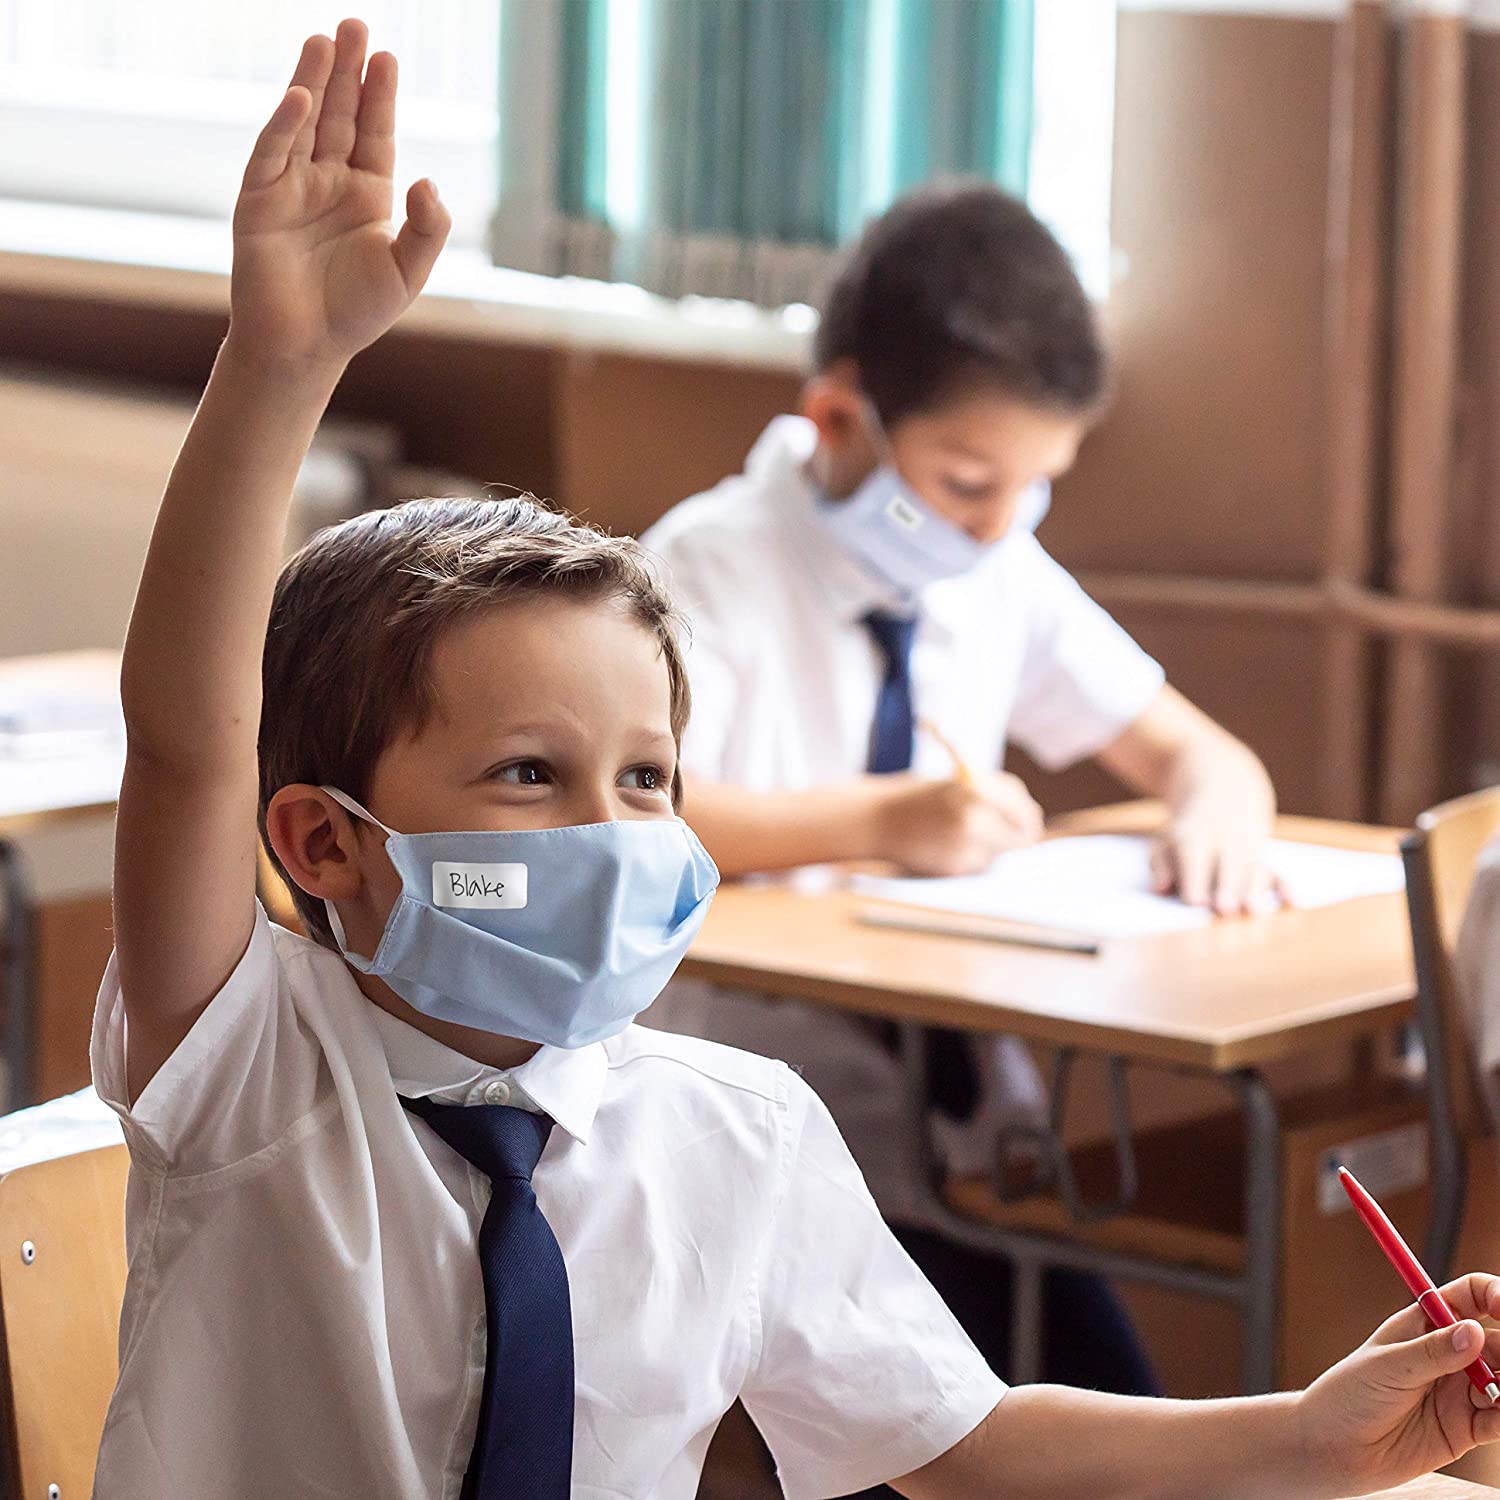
x: 960, y: 765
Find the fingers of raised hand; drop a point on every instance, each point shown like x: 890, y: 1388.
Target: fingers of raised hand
x: 268, y: 159
x: 334, y: 135
x: 312, y: 73
x: 374, y: 147
x: 420, y: 239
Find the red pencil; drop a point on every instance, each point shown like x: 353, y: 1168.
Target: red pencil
x: 1429, y: 1299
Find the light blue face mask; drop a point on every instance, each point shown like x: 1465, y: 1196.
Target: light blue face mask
x: 555, y: 935
x: 899, y: 538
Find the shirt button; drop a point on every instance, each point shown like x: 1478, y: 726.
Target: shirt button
x: 497, y: 1092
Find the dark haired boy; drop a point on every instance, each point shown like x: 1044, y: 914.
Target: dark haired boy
x: 874, y: 567
x: 414, y: 1212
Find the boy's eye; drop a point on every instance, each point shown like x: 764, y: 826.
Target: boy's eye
x: 647, y: 778
x: 524, y: 773
x: 962, y: 489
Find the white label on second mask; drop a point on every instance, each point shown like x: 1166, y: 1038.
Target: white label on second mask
x: 903, y: 513
x: 498, y: 887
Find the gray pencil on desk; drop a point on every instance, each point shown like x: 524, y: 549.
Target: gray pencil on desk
x: 956, y: 926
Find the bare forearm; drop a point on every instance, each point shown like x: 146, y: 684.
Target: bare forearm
x: 191, y: 672
x: 1052, y: 1443
x: 747, y: 831
x: 1176, y: 752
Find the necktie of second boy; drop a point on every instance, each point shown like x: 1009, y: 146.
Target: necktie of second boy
x: 953, y: 1079
x: 891, y: 741
x: 524, y: 1442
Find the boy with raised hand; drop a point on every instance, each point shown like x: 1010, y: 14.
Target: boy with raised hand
x: 873, y: 622
x: 414, y: 1210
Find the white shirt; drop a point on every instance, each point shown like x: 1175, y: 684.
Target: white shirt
x: 785, y: 679
x: 304, y: 1313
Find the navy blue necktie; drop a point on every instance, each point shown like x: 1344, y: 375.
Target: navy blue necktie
x: 892, y: 736
x: 524, y: 1444
x: 953, y: 1079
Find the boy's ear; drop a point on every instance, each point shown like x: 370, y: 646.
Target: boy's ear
x: 834, y: 403
x: 316, y: 841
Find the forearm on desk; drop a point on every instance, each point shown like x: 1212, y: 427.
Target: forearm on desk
x: 748, y: 831
x: 1176, y: 752
x: 1046, y: 1442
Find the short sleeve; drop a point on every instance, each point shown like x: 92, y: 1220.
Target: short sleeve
x: 697, y: 585
x: 863, y: 1374
x: 242, y: 1075
x: 1083, y: 680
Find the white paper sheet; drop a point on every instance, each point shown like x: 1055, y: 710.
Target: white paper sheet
x: 1101, y: 885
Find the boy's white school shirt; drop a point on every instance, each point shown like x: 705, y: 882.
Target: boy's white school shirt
x: 304, y: 1314
x: 785, y: 677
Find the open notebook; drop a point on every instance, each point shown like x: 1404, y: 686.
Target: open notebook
x: 1100, y: 884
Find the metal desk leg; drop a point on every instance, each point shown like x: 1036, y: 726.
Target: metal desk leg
x: 17, y: 964
x: 1025, y: 1320
x: 1262, y: 1229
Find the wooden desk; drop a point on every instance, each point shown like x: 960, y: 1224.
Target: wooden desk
x: 1437, y: 1487
x: 35, y: 793
x: 1223, y: 1001
x: 1234, y: 995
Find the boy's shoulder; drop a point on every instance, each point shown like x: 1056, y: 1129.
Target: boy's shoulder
x: 745, y: 510
x: 691, y: 1062
x: 305, y: 961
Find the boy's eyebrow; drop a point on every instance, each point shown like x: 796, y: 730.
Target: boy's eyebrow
x: 639, y: 734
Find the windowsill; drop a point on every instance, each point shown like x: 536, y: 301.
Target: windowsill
x: 116, y: 255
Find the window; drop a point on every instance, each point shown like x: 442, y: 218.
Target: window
x: 152, y: 104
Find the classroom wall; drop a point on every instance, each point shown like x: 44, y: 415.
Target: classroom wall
x: 1210, y: 461
x: 1210, y: 466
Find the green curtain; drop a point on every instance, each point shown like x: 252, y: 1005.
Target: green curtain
x: 770, y: 129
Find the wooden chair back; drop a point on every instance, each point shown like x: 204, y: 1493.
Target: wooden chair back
x: 62, y: 1278
x: 1441, y: 856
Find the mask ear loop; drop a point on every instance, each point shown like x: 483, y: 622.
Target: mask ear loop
x: 880, y: 439
x: 350, y: 806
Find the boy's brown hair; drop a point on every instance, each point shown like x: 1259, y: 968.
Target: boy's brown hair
x: 358, y: 609
x: 959, y: 286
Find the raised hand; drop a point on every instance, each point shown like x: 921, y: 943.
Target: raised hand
x: 318, y: 274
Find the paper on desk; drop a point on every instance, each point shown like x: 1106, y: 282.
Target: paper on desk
x: 1100, y: 884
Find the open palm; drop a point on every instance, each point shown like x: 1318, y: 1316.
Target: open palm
x: 318, y: 274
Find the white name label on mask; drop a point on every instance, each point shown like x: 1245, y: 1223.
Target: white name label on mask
x: 498, y: 887
x: 903, y: 513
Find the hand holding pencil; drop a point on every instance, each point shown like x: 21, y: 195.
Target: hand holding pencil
x: 954, y: 827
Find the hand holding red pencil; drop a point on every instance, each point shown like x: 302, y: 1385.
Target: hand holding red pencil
x: 1402, y: 1403
x: 1418, y: 1282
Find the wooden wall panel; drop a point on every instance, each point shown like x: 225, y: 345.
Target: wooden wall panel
x: 1255, y: 675
x: 1210, y: 460
x: 637, y: 435
x: 1474, y: 681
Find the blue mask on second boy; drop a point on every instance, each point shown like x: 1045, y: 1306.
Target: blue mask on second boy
x: 554, y: 935
x: 888, y: 528
x: 896, y: 536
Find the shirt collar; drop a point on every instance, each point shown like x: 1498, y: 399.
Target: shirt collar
x: 779, y: 463
x: 563, y: 1082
